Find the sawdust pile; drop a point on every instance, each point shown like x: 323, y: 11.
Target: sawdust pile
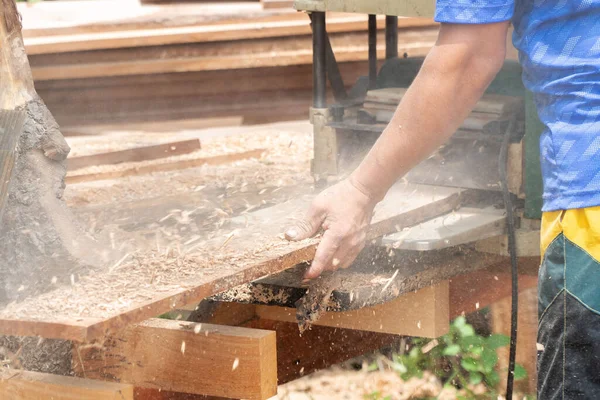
x: 341, y: 384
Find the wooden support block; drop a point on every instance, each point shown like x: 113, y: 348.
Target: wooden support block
x: 27, y: 385
x: 300, y: 354
x: 479, y: 289
x: 317, y: 348
x: 169, y: 355
x: 526, y: 337
x: 135, y: 155
x: 424, y: 313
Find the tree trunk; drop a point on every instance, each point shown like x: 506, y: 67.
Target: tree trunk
x: 40, y: 243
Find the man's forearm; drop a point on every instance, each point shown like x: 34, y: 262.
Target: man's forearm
x: 446, y: 89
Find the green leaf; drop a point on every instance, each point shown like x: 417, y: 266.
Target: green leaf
x: 489, y: 359
x: 470, y: 342
x: 520, y: 372
x: 451, y: 350
x: 470, y: 364
x: 496, y: 341
x: 475, y: 378
x: 492, y: 379
x: 466, y: 330
x: 459, y: 322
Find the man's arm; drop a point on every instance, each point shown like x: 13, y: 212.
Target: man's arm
x: 456, y: 72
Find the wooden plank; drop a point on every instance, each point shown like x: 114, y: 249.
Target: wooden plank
x: 199, y: 34
x: 489, y: 103
x: 267, y: 4
x: 424, y: 313
x: 300, y: 354
x: 136, y: 154
x: 526, y: 337
x: 474, y: 291
x: 27, y: 385
x: 186, y: 357
x: 157, y: 66
x: 170, y: 166
x: 318, y: 348
x: 229, y: 260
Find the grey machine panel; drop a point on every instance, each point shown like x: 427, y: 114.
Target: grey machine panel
x: 404, y: 8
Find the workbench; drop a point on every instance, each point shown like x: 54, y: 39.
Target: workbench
x: 216, y: 263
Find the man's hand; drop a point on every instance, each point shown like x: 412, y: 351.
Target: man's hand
x: 344, y: 213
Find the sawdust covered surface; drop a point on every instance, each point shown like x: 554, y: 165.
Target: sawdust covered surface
x: 344, y: 384
x: 159, y: 269
x: 144, y: 277
x: 285, y: 163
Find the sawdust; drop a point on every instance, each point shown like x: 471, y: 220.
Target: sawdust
x: 287, y: 163
x: 138, y: 278
x: 342, y: 384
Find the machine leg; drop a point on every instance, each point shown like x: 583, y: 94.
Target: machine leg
x: 373, y: 51
x: 319, y: 60
x: 391, y: 37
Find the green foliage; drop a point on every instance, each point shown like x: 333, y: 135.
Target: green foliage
x: 461, y: 358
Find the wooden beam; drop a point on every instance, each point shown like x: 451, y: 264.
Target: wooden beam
x: 158, y: 66
x: 526, y: 337
x: 186, y: 357
x: 479, y: 289
x: 27, y: 385
x: 318, y: 348
x: 252, y: 252
x: 199, y: 34
x: 170, y: 166
x: 424, y: 313
x: 300, y: 354
x: 136, y: 154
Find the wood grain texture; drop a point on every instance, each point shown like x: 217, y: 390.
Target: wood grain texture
x: 239, y: 30
x: 170, y: 166
x: 424, y: 313
x: 318, y: 348
x: 186, y: 357
x: 404, y: 206
x: 11, y: 126
x: 136, y: 154
x: 27, y: 385
x: 526, y: 337
x: 158, y: 66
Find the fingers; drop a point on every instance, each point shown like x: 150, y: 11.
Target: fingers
x: 324, y: 256
x: 308, y: 226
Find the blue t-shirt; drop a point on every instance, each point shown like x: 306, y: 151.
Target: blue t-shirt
x: 559, y: 49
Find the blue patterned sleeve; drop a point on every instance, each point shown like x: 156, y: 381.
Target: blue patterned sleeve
x: 474, y: 11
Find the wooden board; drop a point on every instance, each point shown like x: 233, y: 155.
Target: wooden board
x: 186, y: 357
x: 158, y: 66
x: 300, y: 25
x: 424, y: 313
x: 27, y: 385
x: 364, y: 284
x: 169, y: 166
x: 318, y: 348
x: 489, y: 103
x: 90, y: 308
x: 300, y: 354
x: 135, y: 155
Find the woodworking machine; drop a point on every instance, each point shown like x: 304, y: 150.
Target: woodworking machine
x: 504, y: 123
x: 344, y: 130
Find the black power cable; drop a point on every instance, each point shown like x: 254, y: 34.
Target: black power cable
x: 512, y: 249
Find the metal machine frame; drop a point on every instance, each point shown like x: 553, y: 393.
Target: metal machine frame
x: 327, y: 140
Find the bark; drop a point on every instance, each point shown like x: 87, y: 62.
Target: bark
x: 41, y: 245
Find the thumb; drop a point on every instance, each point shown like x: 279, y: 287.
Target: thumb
x: 306, y: 227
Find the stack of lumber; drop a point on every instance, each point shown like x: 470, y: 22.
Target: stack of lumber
x: 382, y: 103
x: 181, y: 61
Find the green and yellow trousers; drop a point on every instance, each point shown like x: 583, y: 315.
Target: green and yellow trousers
x: 569, y: 305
